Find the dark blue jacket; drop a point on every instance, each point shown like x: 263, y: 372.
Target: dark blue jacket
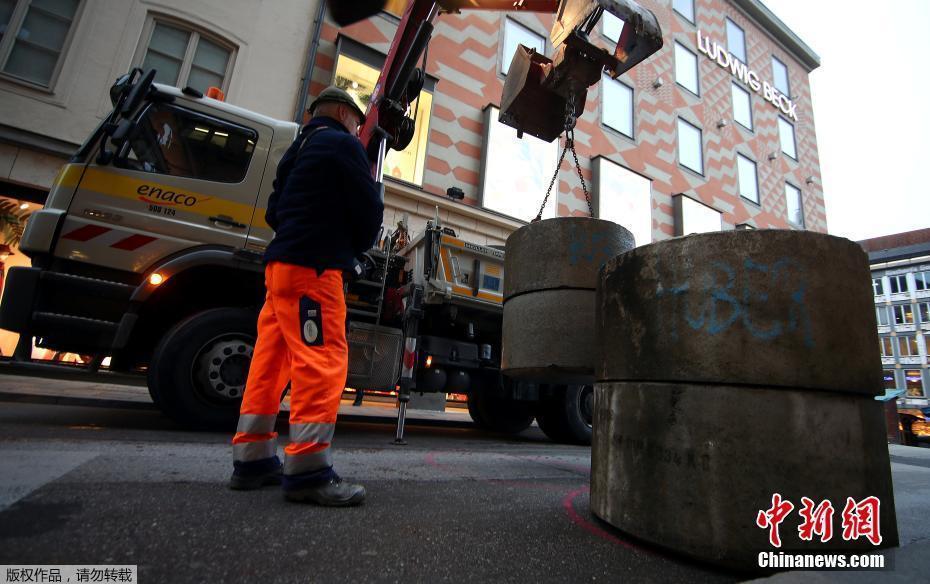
x: 325, y: 209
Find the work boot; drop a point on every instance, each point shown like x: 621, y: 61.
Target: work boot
x: 248, y: 476
x: 333, y: 492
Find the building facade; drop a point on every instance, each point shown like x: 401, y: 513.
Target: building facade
x: 714, y: 132
x: 901, y: 283
x: 58, y: 59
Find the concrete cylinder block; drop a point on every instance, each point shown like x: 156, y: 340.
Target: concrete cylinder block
x: 550, y: 278
x: 565, y: 252
x: 549, y: 336
x: 689, y: 467
x: 770, y: 307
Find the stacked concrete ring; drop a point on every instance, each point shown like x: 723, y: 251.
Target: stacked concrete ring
x: 732, y: 366
x: 550, y: 279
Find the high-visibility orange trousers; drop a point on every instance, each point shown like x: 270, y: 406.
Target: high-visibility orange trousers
x: 301, y: 337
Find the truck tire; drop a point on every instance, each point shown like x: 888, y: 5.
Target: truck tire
x: 566, y: 416
x: 498, y: 414
x: 198, y: 370
x: 475, y: 412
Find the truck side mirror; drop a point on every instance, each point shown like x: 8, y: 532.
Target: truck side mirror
x: 138, y: 93
x: 118, y: 139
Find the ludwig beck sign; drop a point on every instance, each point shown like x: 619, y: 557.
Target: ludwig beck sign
x: 719, y: 54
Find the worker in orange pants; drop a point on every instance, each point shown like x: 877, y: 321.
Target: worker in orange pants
x: 325, y: 210
x: 298, y: 339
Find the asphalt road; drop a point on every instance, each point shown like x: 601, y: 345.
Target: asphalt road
x: 93, y: 485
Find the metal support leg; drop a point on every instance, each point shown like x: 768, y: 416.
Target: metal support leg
x: 94, y: 364
x: 408, y: 373
x: 23, y: 351
x: 401, y: 419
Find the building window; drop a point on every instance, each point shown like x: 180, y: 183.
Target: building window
x: 617, y: 106
x: 180, y: 142
x: 913, y: 383
x: 907, y: 346
x: 924, y: 310
x: 795, y: 205
x: 690, y: 147
x: 359, y: 80
x: 514, y: 172
x: 748, y: 181
x: 903, y: 314
x: 186, y: 57
x: 736, y: 41
x: 517, y: 34
x: 611, y: 27
x: 887, y: 350
x: 898, y: 284
x: 780, y: 77
x: 742, y: 106
x: 877, y: 286
x: 882, y: 314
x: 922, y: 280
x: 624, y: 197
x: 786, y: 136
x: 686, y: 69
x: 396, y: 7
x: 33, y: 37
x: 888, y: 380
x: 684, y: 8
x: 695, y: 217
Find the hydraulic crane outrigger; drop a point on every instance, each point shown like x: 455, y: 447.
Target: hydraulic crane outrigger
x: 541, y: 96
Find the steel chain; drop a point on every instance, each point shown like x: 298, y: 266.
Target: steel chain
x: 555, y: 175
x: 569, y: 145
x: 584, y: 186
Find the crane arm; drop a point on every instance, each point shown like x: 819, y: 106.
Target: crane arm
x: 541, y: 96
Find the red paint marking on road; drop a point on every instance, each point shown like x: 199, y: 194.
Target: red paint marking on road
x: 568, y: 504
x: 86, y: 233
x: 133, y: 242
x: 430, y: 459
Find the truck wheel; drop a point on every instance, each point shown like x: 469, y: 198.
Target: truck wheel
x: 566, y: 416
x: 475, y: 413
x: 498, y: 414
x: 198, y: 371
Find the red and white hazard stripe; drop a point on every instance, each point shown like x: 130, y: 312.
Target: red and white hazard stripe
x: 410, y: 358
x: 117, y: 240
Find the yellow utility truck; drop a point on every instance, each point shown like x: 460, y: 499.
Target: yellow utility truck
x: 149, y: 250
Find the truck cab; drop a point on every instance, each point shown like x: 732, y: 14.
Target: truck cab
x: 157, y: 217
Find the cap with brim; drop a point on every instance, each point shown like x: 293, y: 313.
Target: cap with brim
x: 334, y: 94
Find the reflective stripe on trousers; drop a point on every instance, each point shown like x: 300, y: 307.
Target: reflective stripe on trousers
x: 301, y: 338
x: 255, y: 437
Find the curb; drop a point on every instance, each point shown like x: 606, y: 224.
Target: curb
x: 7, y: 396
x: 69, y: 373
x: 74, y: 401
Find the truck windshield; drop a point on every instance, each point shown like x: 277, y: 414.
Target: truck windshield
x: 176, y: 141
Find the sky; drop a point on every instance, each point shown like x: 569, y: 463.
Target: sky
x: 870, y: 109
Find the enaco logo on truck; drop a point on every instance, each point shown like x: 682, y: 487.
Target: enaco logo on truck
x: 158, y: 196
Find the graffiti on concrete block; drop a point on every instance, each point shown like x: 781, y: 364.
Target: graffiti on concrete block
x: 589, y: 247
x: 768, y: 300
